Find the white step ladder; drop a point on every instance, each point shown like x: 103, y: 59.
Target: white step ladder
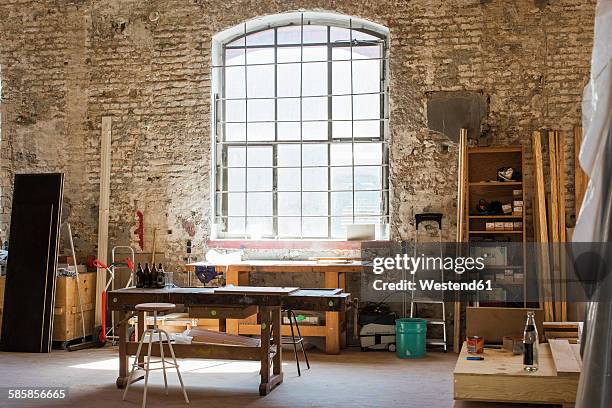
x: 434, y: 218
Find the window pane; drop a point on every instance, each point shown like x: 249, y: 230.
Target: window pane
x: 342, y: 204
x: 338, y: 226
x: 235, y: 111
x: 366, y: 76
x: 260, y: 131
x: 314, y: 109
x: 288, y: 179
x: 288, y: 131
x: 341, y: 178
x: 236, y: 156
x: 314, y: 179
x: 288, y: 203
x: 235, y: 132
x: 341, y: 54
x: 315, y: 34
x: 367, y: 178
x: 314, y: 203
x: 366, y: 129
x: 345, y: 34
x: 341, y: 108
x: 314, y: 227
x: 260, y: 56
x: 289, y: 54
x: 367, y: 53
x: 234, y: 82
x: 258, y: 227
x: 289, y: 35
x: 314, y: 79
x: 341, y: 154
x: 314, y: 155
x: 367, y: 202
x: 236, y: 225
x: 289, y: 109
x: 234, y: 57
x: 288, y: 80
x: 288, y: 155
x: 259, y: 156
x: 259, y: 179
x: 260, y: 109
x: 314, y: 53
x: 236, y: 179
x: 314, y: 130
x: 368, y: 153
x: 265, y: 37
x: 259, y: 204
x: 236, y: 204
x: 366, y: 107
x: 342, y: 130
x: 258, y: 81
x: 289, y: 227
x: 341, y: 78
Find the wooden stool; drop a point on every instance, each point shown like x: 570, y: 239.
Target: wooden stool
x: 155, y: 308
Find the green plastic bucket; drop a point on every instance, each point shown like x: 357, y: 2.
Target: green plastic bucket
x: 410, y: 335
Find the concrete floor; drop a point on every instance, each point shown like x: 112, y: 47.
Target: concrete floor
x: 352, y: 379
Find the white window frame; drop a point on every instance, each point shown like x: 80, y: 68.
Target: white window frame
x: 300, y: 18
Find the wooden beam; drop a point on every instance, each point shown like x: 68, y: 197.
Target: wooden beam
x: 563, y: 357
x: 562, y: 225
x: 461, y: 217
x: 103, y: 210
x: 541, y: 223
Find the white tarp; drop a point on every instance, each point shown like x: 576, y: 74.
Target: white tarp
x: 593, y: 225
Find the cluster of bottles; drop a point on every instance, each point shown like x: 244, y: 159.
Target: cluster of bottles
x: 152, y: 278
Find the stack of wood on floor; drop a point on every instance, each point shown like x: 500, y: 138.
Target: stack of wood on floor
x: 67, y: 319
x: 550, y: 221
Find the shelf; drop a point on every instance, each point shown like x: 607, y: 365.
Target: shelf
x: 495, y: 183
x: 496, y: 232
x: 476, y: 217
x: 497, y: 149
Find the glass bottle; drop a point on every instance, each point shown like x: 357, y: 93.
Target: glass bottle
x: 153, y: 276
x: 530, y: 343
x: 140, y: 278
x: 161, y: 277
x: 147, y: 274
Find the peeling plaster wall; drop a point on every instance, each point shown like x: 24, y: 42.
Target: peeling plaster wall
x: 65, y: 64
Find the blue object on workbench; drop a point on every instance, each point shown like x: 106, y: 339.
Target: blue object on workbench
x: 205, y: 273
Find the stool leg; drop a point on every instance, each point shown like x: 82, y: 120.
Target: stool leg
x: 134, y: 365
x: 297, y: 360
x: 297, y: 326
x: 176, y: 365
x: 144, y: 396
x: 161, y: 353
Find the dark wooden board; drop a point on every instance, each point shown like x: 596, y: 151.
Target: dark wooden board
x: 256, y: 290
x: 30, y: 279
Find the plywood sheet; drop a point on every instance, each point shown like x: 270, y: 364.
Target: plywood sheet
x: 563, y: 357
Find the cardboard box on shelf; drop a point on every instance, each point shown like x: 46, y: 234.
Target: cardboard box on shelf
x: 490, y: 226
x: 499, y: 226
x: 508, y: 226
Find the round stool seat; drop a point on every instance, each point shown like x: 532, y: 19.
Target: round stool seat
x: 155, y: 307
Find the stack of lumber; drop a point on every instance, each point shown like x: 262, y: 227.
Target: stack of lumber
x: 570, y: 331
x: 549, y: 223
x: 212, y: 337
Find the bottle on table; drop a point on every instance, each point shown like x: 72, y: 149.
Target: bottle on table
x: 140, y: 278
x: 161, y: 277
x: 530, y: 343
x: 153, y: 276
x: 147, y: 274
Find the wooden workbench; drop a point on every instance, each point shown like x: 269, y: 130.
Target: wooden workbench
x: 219, y: 303
x: 500, y: 378
x: 334, y: 277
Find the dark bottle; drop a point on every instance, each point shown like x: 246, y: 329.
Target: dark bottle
x: 140, y: 278
x: 153, y: 276
x: 161, y: 277
x: 530, y: 342
x: 147, y: 274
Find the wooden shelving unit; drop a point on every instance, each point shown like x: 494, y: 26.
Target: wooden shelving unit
x: 481, y: 168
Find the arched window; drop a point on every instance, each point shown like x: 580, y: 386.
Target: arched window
x: 300, y: 126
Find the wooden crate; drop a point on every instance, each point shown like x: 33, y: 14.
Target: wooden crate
x: 67, y: 314
x: 2, y: 281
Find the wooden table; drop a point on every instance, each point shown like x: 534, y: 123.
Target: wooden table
x: 220, y: 304
x: 334, y: 275
x: 500, y: 378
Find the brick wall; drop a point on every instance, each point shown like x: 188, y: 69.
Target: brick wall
x: 65, y: 64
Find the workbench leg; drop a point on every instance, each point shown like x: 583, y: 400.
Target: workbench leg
x: 265, y: 322
x: 123, y: 357
x: 231, y: 278
x: 343, y: 325
x: 142, y: 319
x: 277, y: 336
x: 332, y: 319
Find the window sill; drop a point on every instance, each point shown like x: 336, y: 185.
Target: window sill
x: 294, y: 244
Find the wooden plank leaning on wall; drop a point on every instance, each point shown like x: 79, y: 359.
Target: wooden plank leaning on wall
x: 461, y: 202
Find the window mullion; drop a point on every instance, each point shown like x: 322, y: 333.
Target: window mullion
x: 329, y: 130
x: 275, y: 145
